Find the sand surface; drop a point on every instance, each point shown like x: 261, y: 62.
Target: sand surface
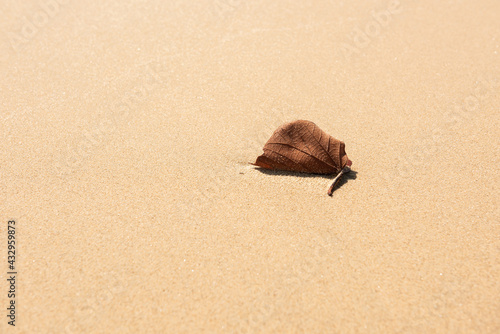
x: 126, y: 130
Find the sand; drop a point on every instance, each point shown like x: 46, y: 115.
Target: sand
x: 126, y: 131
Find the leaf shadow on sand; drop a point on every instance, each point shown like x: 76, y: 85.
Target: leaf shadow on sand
x: 352, y: 175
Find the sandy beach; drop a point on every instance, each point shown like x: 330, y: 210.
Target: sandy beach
x: 127, y: 130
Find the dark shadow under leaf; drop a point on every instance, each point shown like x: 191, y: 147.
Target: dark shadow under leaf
x: 352, y: 175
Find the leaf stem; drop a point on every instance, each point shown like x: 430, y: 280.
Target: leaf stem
x: 337, y: 178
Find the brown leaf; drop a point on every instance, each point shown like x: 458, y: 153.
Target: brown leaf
x: 301, y: 146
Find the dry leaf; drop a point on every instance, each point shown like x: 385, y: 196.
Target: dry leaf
x: 301, y: 146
